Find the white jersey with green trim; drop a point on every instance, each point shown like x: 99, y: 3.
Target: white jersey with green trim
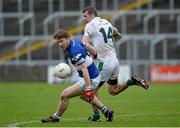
x: 101, y: 33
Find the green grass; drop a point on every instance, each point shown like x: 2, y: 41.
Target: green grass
x: 23, y: 102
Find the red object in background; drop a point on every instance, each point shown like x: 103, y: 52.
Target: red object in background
x: 165, y: 73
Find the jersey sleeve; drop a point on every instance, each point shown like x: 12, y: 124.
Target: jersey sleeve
x: 88, y: 30
x: 77, y: 58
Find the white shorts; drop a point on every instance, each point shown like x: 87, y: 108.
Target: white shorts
x: 94, y: 82
x: 109, y: 69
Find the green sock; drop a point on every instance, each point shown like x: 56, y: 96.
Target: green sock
x: 130, y: 82
x: 96, y: 113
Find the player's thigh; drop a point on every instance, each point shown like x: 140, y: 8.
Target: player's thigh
x: 110, y: 69
x: 94, y: 82
x: 113, y: 80
x: 72, y: 91
x: 115, y: 72
x: 106, y: 72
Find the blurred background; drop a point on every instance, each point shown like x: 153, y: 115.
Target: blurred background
x: 150, y: 46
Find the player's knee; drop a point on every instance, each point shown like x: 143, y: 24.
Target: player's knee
x: 112, y: 82
x: 112, y: 86
x: 113, y: 91
x: 64, y: 95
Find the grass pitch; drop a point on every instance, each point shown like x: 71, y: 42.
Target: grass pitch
x: 24, y: 104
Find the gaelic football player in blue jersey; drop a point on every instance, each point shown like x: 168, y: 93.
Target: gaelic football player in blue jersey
x: 89, y: 78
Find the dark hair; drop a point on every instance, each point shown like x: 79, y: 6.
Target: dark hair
x: 90, y: 10
x: 60, y: 33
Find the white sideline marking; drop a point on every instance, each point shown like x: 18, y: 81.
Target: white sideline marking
x: 14, y: 125
x: 26, y: 122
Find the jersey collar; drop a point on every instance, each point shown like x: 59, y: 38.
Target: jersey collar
x: 72, y: 43
x: 96, y: 18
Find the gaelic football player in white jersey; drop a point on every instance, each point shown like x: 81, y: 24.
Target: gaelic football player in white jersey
x: 101, y: 34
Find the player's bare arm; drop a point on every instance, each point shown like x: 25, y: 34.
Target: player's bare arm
x: 85, y: 74
x: 88, y: 90
x: 89, y: 47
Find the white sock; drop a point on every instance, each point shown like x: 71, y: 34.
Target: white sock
x: 56, y: 116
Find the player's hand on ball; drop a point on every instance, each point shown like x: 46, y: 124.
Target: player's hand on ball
x: 88, y: 93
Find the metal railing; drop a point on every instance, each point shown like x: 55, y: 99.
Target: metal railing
x: 32, y: 24
x: 9, y: 15
x: 132, y: 57
x: 28, y: 41
x: 131, y: 40
x: 17, y: 47
x: 178, y: 28
x: 146, y: 37
x: 147, y: 16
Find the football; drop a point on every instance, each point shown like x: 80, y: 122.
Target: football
x: 62, y: 70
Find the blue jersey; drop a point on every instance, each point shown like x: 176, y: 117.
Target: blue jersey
x: 79, y: 55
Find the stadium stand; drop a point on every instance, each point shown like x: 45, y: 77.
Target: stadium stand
x: 150, y: 28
